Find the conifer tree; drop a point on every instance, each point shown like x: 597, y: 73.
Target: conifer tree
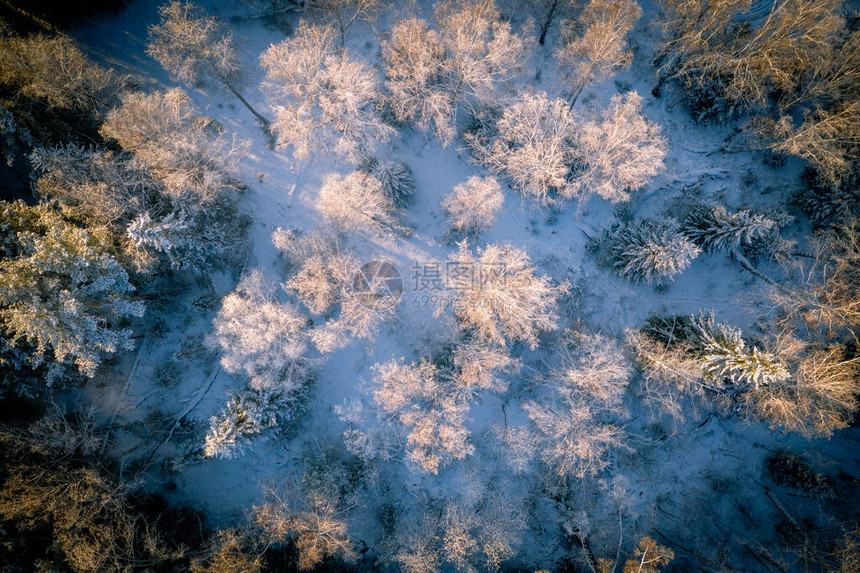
x: 62, y: 290
x: 395, y: 177
x: 724, y: 356
x: 651, y: 250
x: 713, y: 228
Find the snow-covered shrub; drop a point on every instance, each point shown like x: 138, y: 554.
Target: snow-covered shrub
x: 328, y: 100
x: 396, y: 179
x: 651, y: 250
x: 616, y: 151
x: 531, y: 145
x: 432, y: 74
x: 713, y: 228
x: 256, y: 332
x: 595, y: 45
x: 182, y: 148
x: 499, y: 296
x: 356, y: 202
x: 725, y: 357
x: 472, y: 206
x: 62, y: 291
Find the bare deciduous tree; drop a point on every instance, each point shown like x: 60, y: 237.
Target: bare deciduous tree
x: 95, y: 186
x: 192, y: 46
x: 314, y: 517
x: 595, y: 46
x: 324, y: 278
x: 344, y: 13
x: 500, y: 296
x: 356, y: 202
x: 421, y: 400
x: 166, y: 132
x: 54, y: 68
x: 617, y: 151
x: 472, y: 206
x: 570, y: 441
x: 531, y: 144
x: 255, y: 332
x: 329, y: 101
x: 593, y: 366
x: 431, y: 74
x: 689, y: 26
x: 829, y: 139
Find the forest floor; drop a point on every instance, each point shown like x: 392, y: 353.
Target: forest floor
x: 697, y: 485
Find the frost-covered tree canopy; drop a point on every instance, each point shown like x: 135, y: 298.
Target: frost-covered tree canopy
x: 62, y: 291
x: 556, y: 285
x: 256, y: 332
x: 326, y: 99
x: 472, y: 206
x: 500, y: 296
x: 432, y: 73
x: 617, y: 151
x: 184, y: 149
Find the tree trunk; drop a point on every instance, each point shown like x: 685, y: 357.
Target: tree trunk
x: 263, y: 121
x: 544, y: 29
x: 574, y: 97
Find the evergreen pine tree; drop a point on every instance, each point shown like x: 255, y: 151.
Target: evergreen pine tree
x: 725, y: 356
x: 62, y: 290
x: 651, y: 250
x: 396, y: 179
x: 713, y: 228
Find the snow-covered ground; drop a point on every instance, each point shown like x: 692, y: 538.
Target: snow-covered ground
x: 698, y: 486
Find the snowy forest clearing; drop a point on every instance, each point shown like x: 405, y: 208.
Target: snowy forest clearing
x: 459, y: 285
